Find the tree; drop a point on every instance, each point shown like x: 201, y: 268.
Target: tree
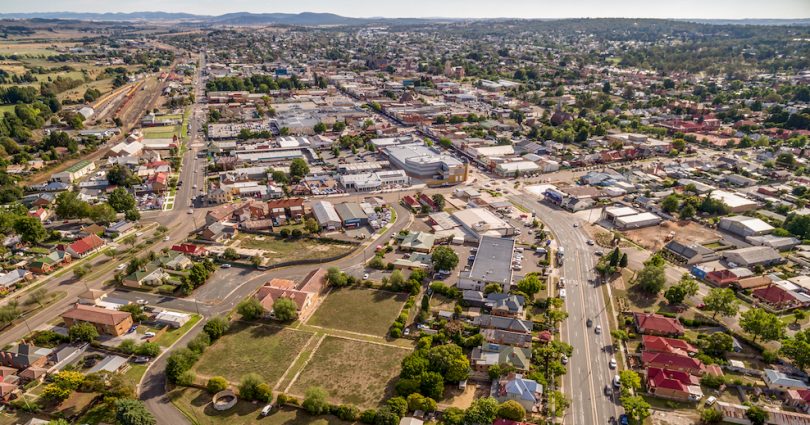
x: 148, y: 349
x: 757, y: 415
x: 280, y: 177
x: 315, y: 401
x: 797, y: 349
x: 623, y: 260
x: 312, y: 226
x: 481, y: 411
x: 670, y: 203
x: 216, y: 327
x: 298, y: 169
x: 397, y: 405
x: 798, y: 316
x: 102, y: 213
x: 721, y: 301
x: 432, y: 385
x: 136, y: 310
x: 636, y: 407
x: 651, y: 278
x: 83, y: 331
x: 530, y: 285
x: 762, y: 324
x: 253, y: 387
x: 511, y: 410
x: 444, y: 258
x: 132, y: 412
x: 718, y: 343
x: 285, y: 309
x: 38, y: 296
x: 121, y: 200
x: 630, y: 380
x: 250, y: 308
x: 30, y: 229
x: 336, y: 277
x: 711, y: 416
x: 179, y: 362
x: 55, y: 393
x: 686, y: 287
x: 438, y: 199
x: 319, y: 128
x: 216, y: 384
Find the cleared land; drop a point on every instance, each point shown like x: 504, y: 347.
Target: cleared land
x: 282, y: 250
x: 196, y: 404
x: 163, y: 132
x: 655, y: 237
x: 361, y: 373
x: 364, y: 311
x: 266, y: 350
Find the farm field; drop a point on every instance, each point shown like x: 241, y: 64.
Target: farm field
x: 360, y: 373
x: 246, y: 348
x: 196, y: 404
x: 364, y: 311
x: 282, y: 250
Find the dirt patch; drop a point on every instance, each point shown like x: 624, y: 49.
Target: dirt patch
x: 655, y: 237
x: 454, y: 397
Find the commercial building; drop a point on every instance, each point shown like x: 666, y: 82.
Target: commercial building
x: 351, y: 214
x: 74, y: 172
x: 479, y: 222
x: 745, y: 226
x: 492, y: 264
x: 735, y: 203
x: 753, y: 255
x: 367, y: 182
x: 427, y: 164
x: 326, y: 215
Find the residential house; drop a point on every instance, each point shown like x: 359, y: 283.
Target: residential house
x: 219, y: 232
x: 23, y: 356
x: 656, y: 324
x: 660, y: 344
x: 277, y: 289
x: 722, y: 277
x: 777, y: 380
x: 502, y: 337
x: 508, y: 305
x: 671, y: 361
x: 511, y: 324
x: 10, y: 280
x: 283, y: 210
x: 107, y: 322
x: 673, y: 385
x: 191, y: 250
x: 777, y: 297
x: 150, y: 275
x: 50, y: 262
x: 85, y: 246
x: 418, y: 242
x: 526, y: 392
x: 489, y: 354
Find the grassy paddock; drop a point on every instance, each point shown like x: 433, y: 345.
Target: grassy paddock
x: 266, y: 350
x: 365, y: 311
x: 361, y: 373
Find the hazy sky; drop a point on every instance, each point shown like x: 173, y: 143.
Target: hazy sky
x: 730, y: 9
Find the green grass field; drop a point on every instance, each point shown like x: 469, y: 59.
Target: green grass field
x: 281, y: 250
x: 196, y: 404
x: 361, y: 373
x: 161, y: 132
x: 364, y: 311
x: 266, y: 350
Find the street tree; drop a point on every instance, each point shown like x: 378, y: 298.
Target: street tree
x: 721, y: 301
x: 121, y: 200
x: 762, y: 324
x: 530, y: 285
x: 83, y: 332
x: 216, y: 327
x: 651, y: 278
x: 250, y: 308
x: 636, y: 407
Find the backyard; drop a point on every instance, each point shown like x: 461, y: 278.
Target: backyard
x: 246, y: 348
x: 280, y: 250
x: 365, y: 311
x: 196, y: 404
x: 360, y: 373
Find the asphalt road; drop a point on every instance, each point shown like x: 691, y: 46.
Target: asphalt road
x: 588, y: 369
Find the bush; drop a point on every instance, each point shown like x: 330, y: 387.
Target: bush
x: 199, y: 343
x: 186, y: 378
x: 216, y: 327
x: 368, y: 416
x: 347, y: 412
x: 712, y: 381
x: 249, y: 387
x: 287, y: 399
x: 216, y: 384
x: 315, y: 401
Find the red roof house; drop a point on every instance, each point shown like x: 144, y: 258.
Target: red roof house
x: 775, y: 296
x: 673, y: 385
x: 410, y: 202
x: 656, y: 324
x: 660, y: 344
x: 671, y: 361
x: 190, y: 249
x: 722, y: 277
x: 84, y: 246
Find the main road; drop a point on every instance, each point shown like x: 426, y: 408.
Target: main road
x: 588, y: 367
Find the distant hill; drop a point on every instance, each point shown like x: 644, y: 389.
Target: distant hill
x: 316, y: 19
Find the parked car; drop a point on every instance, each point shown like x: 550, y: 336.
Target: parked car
x: 612, y: 363
x: 711, y: 400
x: 267, y: 409
x: 226, y: 266
x: 617, y: 381
x: 141, y: 359
x: 608, y: 390
x: 149, y: 334
x: 365, y: 276
x: 141, y: 301
x: 598, y: 329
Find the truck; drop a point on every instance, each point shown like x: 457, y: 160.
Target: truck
x: 560, y: 256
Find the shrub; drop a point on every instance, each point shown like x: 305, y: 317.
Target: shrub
x: 216, y: 384
x: 368, y: 416
x: 315, y: 401
x: 347, y: 412
x: 249, y: 386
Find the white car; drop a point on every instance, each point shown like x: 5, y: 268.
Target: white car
x: 598, y: 329
x: 149, y: 334
x: 365, y: 276
x: 140, y: 301
x: 617, y: 381
x: 226, y: 266
x: 612, y: 363
x: 166, y: 239
x: 121, y: 266
x: 564, y: 359
x: 266, y: 409
x: 591, y: 242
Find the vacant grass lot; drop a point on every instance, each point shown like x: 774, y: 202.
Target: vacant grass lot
x: 361, y: 373
x: 281, y: 250
x: 262, y: 349
x: 196, y: 404
x: 161, y: 132
x: 365, y: 311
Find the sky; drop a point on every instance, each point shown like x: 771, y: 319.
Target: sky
x: 678, y: 9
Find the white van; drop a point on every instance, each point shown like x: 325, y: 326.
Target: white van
x: 562, y: 293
